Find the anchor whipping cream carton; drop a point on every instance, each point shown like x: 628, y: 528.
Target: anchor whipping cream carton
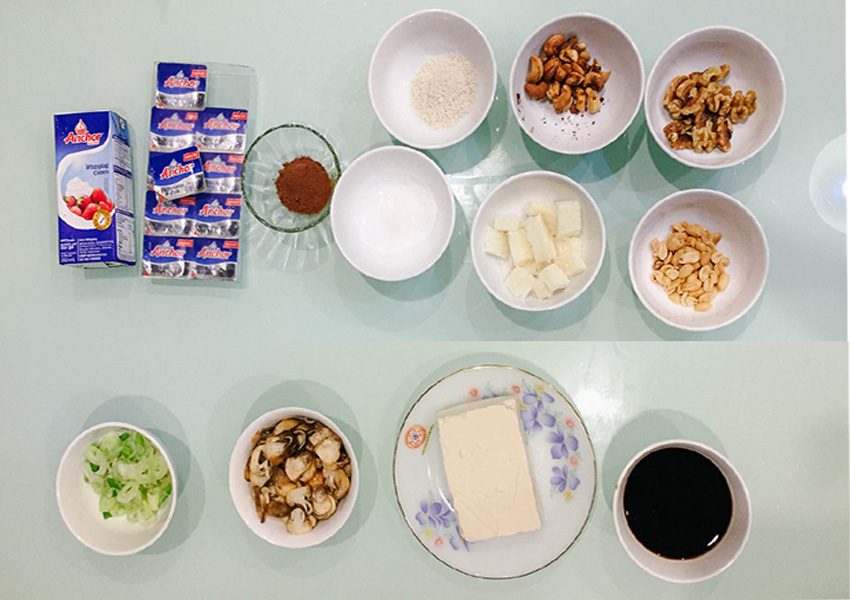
x: 94, y: 190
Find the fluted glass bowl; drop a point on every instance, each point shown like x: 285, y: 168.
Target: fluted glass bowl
x: 264, y: 159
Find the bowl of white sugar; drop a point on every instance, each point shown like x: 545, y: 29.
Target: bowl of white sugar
x: 432, y: 79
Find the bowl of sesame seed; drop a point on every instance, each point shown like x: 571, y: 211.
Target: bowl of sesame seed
x: 432, y: 79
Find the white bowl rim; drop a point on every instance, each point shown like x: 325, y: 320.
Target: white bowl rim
x: 634, y: 242
x: 713, y: 455
x: 562, y: 302
x: 663, y: 142
x: 390, y: 149
x: 277, y: 413
x: 640, y: 94
x: 464, y: 134
x: 173, y: 498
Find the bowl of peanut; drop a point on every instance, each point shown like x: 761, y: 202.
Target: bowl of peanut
x: 698, y: 260
x: 714, y: 98
x: 576, y: 84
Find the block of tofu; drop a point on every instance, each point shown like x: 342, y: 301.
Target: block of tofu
x: 547, y: 212
x: 496, y: 243
x: 542, y: 245
x: 520, y: 249
x: 569, y: 217
x: 540, y: 290
x: 506, y: 223
x: 486, y: 466
x: 520, y: 281
x: 554, y: 278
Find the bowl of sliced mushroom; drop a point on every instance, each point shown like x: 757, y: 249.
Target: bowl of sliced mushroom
x: 293, y: 477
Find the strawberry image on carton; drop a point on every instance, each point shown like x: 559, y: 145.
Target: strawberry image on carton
x: 94, y: 189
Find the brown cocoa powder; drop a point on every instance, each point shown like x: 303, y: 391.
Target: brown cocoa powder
x: 303, y: 186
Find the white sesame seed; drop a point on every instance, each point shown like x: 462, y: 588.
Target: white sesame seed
x: 443, y: 90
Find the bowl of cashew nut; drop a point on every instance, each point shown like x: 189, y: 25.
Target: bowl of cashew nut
x: 576, y: 84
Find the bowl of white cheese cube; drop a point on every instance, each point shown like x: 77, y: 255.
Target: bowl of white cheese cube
x: 538, y: 241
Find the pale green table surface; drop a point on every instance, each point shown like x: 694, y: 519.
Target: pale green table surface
x: 312, y: 61
x: 777, y: 411
x: 195, y: 363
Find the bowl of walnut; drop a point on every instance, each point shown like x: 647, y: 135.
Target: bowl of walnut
x: 576, y: 84
x: 715, y: 98
x: 698, y: 260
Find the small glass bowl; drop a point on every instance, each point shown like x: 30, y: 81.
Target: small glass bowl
x: 264, y: 159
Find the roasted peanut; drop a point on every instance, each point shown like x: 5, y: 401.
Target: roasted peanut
x: 689, y: 266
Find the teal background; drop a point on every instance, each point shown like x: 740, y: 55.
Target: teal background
x: 777, y: 411
x: 197, y: 362
x: 311, y: 60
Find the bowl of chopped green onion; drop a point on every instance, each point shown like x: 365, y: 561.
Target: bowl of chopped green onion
x: 116, y: 488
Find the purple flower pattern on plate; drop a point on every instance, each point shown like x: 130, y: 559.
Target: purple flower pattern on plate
x: 562, y: 443
x: 538, y: 413
x: 438, y: 522
x: 563, y: 478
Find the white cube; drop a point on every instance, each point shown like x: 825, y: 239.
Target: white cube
x: 540, y: 239
x: 554, y: 278
x: 547, y: 211
x: 506, y: 223
x: 520, y: 282
x: 569, y: 217
x: 520, y: 249
x: 496, y: 243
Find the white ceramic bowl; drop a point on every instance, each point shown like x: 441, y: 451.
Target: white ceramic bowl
x: 579, y: 134
x: 393, y: 213
x: 273, y: 530
x: 398, y: 57
x: 706, y: 565
x: 78, y: 503
x: 743, y: 242
x: 510, y: 198
x: 752, y: 67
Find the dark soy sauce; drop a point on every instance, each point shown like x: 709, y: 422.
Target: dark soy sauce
x: 677, y: 503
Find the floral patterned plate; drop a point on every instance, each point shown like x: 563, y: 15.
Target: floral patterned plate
x: 560, y: 455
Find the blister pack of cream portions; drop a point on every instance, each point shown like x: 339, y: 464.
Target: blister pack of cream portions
x: 194, y: 198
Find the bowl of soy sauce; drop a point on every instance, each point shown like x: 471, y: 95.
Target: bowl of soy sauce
x: 681, y: 511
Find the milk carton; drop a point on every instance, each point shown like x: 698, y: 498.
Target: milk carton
x: 94, y: 190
